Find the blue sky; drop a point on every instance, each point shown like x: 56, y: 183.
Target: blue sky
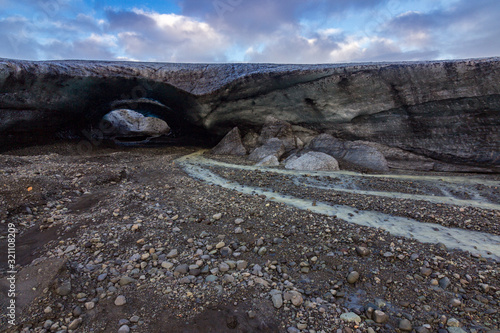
x: 280, y: 31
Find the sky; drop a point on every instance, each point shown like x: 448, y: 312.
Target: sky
x: 261, y: 31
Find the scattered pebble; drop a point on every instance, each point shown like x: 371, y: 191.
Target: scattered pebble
x: 120, y: 300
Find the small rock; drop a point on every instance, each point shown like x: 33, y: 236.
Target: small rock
x: 64, y: 289
x: 444, y: 282
x: 124, y: 329
x: 89, y: 305
x: 455, y: 302
x: 350, y: 317
x: 120, y: 300
x: 241, y: 264
x: 228, y: 278
x: 457, y: 330
x: 423, y: 329
x: 172, y: 254
x: 181, y: 269
x: 122, y: 322
x: 301, y: 326
x: 380, y: 317
x: 77, y: 311
x: 74, y: 324
x: 81, y: 295
x: 167, y: 265
x: 425, y: 271
x: 295, y: 297
x: 277, y: 300
x: 362, y: 251
x: 353, y: 277
x: 70, y: 248
x: 223, y: 267
x: 226, y: 251
x: 211, y: 278
x: 452, y: 322
x: 405, y: 325
x: 185, y: 280
x: 126, y: 280
x: 48, y: 323
x: 217, y: 216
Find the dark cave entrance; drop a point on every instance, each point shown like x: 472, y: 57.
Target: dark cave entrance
x: 71, y: 109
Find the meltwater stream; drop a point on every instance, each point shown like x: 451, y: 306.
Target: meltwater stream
x: 487, y: 245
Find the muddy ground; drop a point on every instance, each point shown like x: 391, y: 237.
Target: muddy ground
x: 124, y: 240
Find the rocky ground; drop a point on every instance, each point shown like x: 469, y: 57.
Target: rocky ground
x: 123, y: 240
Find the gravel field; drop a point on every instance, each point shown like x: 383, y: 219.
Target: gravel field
x: 124, y: 240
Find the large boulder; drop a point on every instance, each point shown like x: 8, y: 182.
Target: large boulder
x: 280, y: 129
x: 251, y: 140
x: 313, y: 161
x: 274, y: 147
x: 230, y: 145
x: 355, y: 153
x: 401, y: 159
x: 129, y: 123
x: 270, y: 161
x: 303, y: 134
x: 275, y: 128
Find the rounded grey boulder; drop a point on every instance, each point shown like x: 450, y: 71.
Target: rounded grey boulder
x: 313, y: 161
x: 124, y: 122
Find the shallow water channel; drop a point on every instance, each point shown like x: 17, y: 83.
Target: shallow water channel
x: 485, y: 244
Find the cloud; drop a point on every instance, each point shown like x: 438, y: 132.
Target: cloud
x: 467, y: 29
x: 17, y: 40
x: 289, y: 46
x: 331, y: 49
x: 288, y: 31
x: 95, y: 47
x: 167, y: 37
x: 282, y: 10
x: 249, y: 20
